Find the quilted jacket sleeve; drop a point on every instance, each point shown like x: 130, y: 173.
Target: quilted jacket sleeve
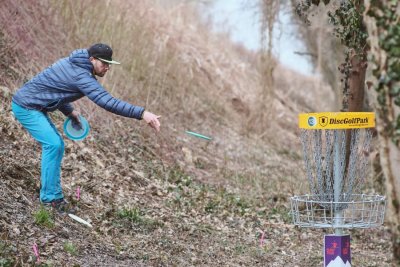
x: 66, y: 109
x: 90, y: 87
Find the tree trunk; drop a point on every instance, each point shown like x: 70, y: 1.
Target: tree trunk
x: 388, y: 152
x: 389, y: 156
x: 355, y: 98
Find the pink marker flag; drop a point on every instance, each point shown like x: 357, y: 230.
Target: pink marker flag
x: 262, y: 238
x: 78, y: 193
x: 36, y: 252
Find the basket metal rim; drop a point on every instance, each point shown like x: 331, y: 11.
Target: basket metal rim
x: 362, y: 211
x: 355, y: 198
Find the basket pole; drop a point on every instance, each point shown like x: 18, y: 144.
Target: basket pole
x: 338, y: 179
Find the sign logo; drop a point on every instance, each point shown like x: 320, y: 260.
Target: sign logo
x: 312, y: 121
x: 323, y: 121
x: 337, y: 120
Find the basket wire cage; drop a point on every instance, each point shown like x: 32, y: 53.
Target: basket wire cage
x: 336, y: 147
x: 363, y: 211
x: 336, y: 159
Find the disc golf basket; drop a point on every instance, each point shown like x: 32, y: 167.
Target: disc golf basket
x: 335, y: 151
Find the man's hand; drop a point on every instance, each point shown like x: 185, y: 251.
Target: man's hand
x: 152, y: 120
x: 74, y: 115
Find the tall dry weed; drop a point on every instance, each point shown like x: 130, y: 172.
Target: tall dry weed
x: 24, y: 28
x: 169, y: 58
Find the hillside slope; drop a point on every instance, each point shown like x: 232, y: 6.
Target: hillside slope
x: 167, y: 199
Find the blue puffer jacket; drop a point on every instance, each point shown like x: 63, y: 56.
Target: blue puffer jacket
x: 67, y: 80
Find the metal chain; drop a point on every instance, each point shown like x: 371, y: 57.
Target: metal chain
x: 322, y: 161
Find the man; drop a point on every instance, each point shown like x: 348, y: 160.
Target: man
x: 66, y: 81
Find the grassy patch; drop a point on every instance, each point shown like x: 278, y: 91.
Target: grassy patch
x: 5, y: 251
x: 70, y: 248
x: 178, y: 176
x: 6, y: 262
x: 137, y: 218
x: 44, y: 217
x: 131, y: 214
x: 189, y: 194
x: 280, y: 213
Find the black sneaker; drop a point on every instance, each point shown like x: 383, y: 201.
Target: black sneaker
x: 60, y: 205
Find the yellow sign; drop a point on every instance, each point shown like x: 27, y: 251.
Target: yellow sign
x: 337, y: 120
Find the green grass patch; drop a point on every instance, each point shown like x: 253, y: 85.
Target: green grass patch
x: 6, y: 262
x: 137, y: 217
x: 131, y: 214
x: 280, y: 213
x: 44, y: 217
x: 178, y: 176
x: 5, y: 253
x: 70, y: 248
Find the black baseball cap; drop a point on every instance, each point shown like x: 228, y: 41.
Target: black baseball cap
x: 102, y: 52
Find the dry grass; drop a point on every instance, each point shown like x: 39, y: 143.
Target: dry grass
x: 170, y: 61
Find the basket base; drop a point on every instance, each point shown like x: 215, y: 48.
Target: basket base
x: 337, y: 251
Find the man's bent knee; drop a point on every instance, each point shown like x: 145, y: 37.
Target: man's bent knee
x: 55, y: 146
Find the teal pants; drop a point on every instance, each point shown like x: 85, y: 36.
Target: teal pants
x: 41, y: 128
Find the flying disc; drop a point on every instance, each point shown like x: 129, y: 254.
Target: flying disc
x: 199, y: 135
x: 78, y: 219
x: 76, y: 131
